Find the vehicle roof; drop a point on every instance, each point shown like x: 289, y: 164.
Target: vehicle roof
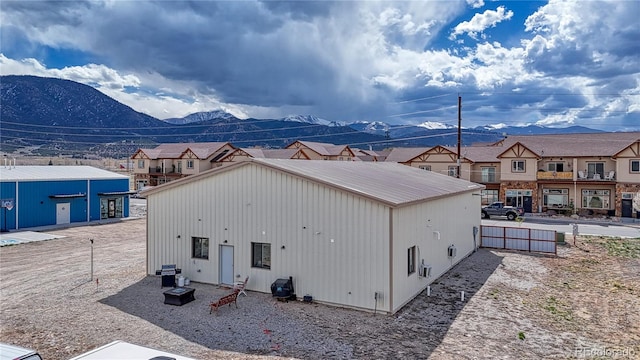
x: 122, y: 350
x: 10, y: 352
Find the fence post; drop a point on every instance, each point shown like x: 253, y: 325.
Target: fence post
x: 504, y: 237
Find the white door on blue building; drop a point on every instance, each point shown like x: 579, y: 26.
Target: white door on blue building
x: 63, y: 213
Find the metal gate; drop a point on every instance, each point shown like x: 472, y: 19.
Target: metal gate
x: 516, y: 238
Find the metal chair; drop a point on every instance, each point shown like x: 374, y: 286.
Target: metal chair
x: 240, y: 286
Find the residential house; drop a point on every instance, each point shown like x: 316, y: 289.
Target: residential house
x: 370, y: 155
x: 168, y: 162
x: 323, y: 151
x: 588, y: 173
x: 364, y: 235
x: 244, y: 154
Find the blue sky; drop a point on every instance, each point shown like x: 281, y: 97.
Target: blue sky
x: 554, y: 63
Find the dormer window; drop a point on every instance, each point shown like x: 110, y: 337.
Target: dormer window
x: 517, y: 166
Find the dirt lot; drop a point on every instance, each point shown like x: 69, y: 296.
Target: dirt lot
x: 584, y: 303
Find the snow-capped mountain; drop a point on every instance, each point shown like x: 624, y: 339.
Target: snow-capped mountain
x: 432, y: 125
x: 375, y: 127
x: 201, y: 116
x: 310, y: 119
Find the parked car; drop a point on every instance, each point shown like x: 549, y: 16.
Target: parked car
x: 138, y: 194
x: 499, y: 209
x: 13, y: 352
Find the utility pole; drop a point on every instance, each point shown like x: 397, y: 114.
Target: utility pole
x: 459, y: 134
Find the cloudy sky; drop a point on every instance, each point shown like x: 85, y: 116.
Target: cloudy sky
x: 555, y: 63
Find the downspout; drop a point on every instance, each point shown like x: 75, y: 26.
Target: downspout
x: 147, y: 237
x: 391, y: 260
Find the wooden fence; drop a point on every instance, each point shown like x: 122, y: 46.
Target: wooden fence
x: 516, y: 238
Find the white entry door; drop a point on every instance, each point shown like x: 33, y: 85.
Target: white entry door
x: 226, y: 264
x: 63, y: 213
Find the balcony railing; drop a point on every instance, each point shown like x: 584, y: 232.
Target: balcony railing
x: 555, y: 175
x: 580, y: 176
x: 158, y: 170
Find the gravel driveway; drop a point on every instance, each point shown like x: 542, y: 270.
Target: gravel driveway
x: 517, y: 305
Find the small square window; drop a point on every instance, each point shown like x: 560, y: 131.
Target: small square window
x: 261, y: 255
x: 140, y: 164
x: 634, y: 167
x: 517, y: 166
x: 200, y: 248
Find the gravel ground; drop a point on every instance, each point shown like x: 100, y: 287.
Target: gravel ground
x: 517, y: 305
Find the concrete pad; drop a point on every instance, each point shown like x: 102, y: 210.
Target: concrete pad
x: 25, y: 237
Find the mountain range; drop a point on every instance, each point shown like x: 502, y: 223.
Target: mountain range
x: 50, y: 116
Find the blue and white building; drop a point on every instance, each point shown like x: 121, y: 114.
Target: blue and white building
x: 32, y: 196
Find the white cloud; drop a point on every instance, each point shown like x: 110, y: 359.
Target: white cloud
x: 481, y: 22
x: 338, y: 60
x: 475, y: 3
x: 176, y: 102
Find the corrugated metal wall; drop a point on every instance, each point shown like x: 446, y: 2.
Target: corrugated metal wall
x: 432, y: 227
x: 8, y: 217
x: 33, y: 207
x: 335, y: 244
x: 106, y: 186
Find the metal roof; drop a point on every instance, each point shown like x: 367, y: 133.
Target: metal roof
x: 391, y: 183
x: 44, y: 173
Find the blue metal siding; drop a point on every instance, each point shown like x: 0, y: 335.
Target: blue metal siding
x: 8, y: 191
x: 36, y: 208
x: 106, y: 186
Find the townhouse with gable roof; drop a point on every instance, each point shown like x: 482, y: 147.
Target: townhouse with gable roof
x: 168, y: 162
x: 595, y: 173
x: 323, y: 151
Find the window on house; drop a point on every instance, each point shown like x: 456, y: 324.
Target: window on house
x: 555, y: 198
x: 555, y: 166
x: 200, y: 248
x: 411, y: 260
x: 189, y: 164
x: 261, y: 255
x: 425, y: 167
x: 517, y: 166
x: 488, y: 174
x: 595, y: 199
x: 634, y: 166
x: 452, y: 171
x: 179, y: 166
x: 489, y: 196
x: 140, y: 164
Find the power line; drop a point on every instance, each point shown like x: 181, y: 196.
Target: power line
x: 420, y: 99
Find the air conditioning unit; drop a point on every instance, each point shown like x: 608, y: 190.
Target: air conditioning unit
x: 425, y: 271
x: 451, y: 251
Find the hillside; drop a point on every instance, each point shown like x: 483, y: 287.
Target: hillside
x: 55, y: 116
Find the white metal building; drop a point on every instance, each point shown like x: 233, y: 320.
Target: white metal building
x: 353, y: 234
